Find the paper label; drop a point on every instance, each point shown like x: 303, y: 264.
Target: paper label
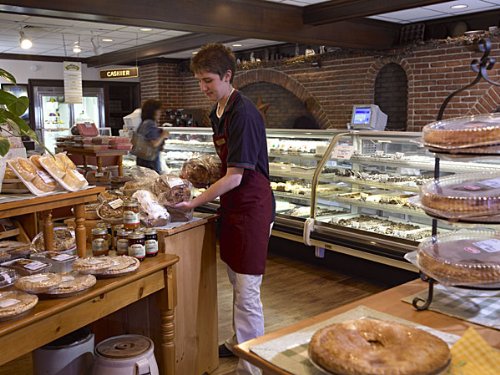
x: 45, y: 177
x: 151, y: 247
x: 490, y: 246
x: 493, y: 183
x: 343, y: 152
x: 8, y: 302
x: 130, y: 217
x: 6, y: 277
x: 63, y: 257
x: 173, y: 182
x: 137, y: 250
x: 95, y: 261
x: 117, y: 203
x: 35, y: 265
x: 67, y: 278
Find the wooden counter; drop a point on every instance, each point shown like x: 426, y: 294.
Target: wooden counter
x: 23, y: 208
x: 388, y: 302
x: 52, y: 319
x: 196, y: 336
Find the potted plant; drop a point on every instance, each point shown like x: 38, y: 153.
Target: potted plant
x: 11, y: 110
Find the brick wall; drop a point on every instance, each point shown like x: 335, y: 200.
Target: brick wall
x: 391, y: 95
x: 284, y: 107
x: 348, y: 78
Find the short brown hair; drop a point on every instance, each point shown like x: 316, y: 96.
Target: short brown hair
x: 149, y: 107
x: 214, y: 58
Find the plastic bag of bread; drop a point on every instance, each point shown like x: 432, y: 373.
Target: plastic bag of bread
x: 214, y: 166
x: 196, y: 171
x: 142, y: 179
x: 152, y: 214
x: 171, y: 190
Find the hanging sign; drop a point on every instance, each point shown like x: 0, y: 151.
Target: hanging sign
x: 72, y: 82
x: 120, y: 73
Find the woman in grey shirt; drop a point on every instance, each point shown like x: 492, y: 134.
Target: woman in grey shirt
x: 150, y: 114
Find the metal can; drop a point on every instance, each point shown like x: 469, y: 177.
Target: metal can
x: 122, y: 242
x: 136, y: 245
x: 151, y: 242
x: 131, y: 218
x: 100, y: 244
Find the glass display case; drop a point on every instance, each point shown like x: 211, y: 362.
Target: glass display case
x: 344, y: 191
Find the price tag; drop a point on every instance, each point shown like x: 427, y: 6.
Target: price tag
x: 67, y: 278
x: 35, y: 265
x: 117, y: 203
x: 38, y: 278
x: 490, y: 246
x: 45, y: 177
x: 343, y: 152
x: 8, y: 302
x: 63, y: 257
x: 173, y: 182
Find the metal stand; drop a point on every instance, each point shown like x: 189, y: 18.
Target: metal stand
x: 481, y: 67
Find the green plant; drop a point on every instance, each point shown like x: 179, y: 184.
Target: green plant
x: 11, y: 109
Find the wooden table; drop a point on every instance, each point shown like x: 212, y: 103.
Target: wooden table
x: 388, y: 302
x: 97, y: 154
x: 22, y: 208
x: 54, y: 318
x: 196, y: 312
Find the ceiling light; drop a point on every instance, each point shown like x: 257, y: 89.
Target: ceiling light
x: 107, y: 39
x: 145, y: 29
x: 77, y: 49
x: 459, y: 6
x: 25, y: 41
x: 237, y: 45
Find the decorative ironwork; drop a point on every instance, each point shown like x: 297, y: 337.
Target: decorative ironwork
x: 481, y: 67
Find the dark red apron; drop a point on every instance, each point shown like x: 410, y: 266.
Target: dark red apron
x: 246, y: 214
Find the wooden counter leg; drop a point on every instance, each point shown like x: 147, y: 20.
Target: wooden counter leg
x: 80, y: 231
x: 48, y: 230
x: 167, y: 309
x: 120, y: 165
x: 99, y: 164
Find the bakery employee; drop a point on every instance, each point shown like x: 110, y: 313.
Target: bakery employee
x: 246, y: 199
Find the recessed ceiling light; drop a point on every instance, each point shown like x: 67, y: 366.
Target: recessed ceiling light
x: 145, y: 29
x: 107, y: 39
x: 459, y: 6
x: 237, y: 45
x: 77, y: 49
x: 25, y: 42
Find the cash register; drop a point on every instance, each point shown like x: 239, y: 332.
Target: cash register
x: 367, y: 117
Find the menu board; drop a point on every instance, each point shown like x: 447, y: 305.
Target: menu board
x: 73, y: 92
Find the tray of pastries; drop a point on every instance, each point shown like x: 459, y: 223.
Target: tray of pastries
x: 369, y: 346
x: 463, y: 196
x: 463, y: 258
x: 463, y: 133
x: 107, y: 266
x: 37, y: 180
x: 71, y: 284
x: 64, y: 171
x: 25, y: 267
x: 64, y: 240
x: 15, y: 304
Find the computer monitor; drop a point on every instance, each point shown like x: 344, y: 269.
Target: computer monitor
x: 368, y: 117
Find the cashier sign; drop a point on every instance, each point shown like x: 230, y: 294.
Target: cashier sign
x: 119, y: 73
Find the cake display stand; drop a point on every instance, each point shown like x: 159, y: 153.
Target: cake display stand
x: 481, y: 67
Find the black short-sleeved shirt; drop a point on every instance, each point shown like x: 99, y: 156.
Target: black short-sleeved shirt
x: 247, y: 144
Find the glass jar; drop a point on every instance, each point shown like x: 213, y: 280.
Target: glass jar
x: 151, y: 242
x: 136, y: 245
x: 122, y: 241
x: 100, y: 244
x: 116, y: 228
x: 131, y: 218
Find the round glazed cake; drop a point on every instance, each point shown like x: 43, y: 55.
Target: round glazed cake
x: 462, y: 258
x: 463, y: 132
x: 469, y: 195
x: 373, y: 347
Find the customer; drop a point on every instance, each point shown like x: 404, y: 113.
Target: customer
x: 150, y: 115
x: 246, y: 199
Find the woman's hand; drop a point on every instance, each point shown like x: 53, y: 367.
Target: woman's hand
x: 185, y: 206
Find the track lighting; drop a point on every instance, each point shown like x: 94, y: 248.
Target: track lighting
x: 25, y: 41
